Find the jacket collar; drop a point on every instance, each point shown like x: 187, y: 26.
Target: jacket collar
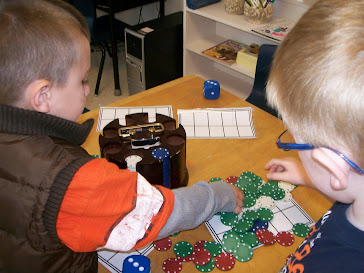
x: 26, y: 122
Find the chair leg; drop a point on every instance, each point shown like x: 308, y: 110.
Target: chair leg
x: 102, y: 62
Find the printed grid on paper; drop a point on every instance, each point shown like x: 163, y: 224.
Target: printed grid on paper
x: 108, y: 114
x: 286, y: 214
x: 219, y: 123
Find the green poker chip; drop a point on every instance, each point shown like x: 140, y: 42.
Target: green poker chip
x: 251, y: 215
x: 229, y: 218
x: 207, y: 267
x: 279, y: 194
x: 214, y: 248
x: 174, y: 234
x: 215, y: 179
x: 243, y: 225
x: 301, y: 229
x: 230, y: 242
x: 244, y: 253
x: 95, y: 156
x: 249, y: 202
x: 183, y: 249
x: 249, y: 238
x: 265, y: 214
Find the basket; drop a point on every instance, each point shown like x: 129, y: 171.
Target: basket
x: 234, y: 6
x: 196, y: 4
x: 258, y: 15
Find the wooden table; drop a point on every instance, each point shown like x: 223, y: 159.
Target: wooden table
x: 220, y: 158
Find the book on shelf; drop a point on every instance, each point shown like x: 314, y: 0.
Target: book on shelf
x: 276, y: 30
x: 226, y: 51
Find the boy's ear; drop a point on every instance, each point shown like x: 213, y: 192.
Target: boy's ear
x: 40, y: 95
x: 339, y: 173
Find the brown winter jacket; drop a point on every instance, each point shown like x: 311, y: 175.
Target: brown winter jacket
x: 39, y: 154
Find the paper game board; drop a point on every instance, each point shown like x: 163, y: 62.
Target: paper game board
x: 108, y: 114
x: 218, y: 123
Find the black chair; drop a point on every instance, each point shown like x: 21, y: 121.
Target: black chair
x: 100, y: 31
x: 258, y: 93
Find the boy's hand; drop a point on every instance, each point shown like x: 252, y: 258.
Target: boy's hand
x: 289, y: 170
x: 239, y: 196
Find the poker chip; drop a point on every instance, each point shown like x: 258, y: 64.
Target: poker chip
x: 288, y: 187
x: 213, y: 247
x: 232, y: 179
x: 251, y: 215
x: 265, y: 236
x: 279, y: 194
x: 230, y: 242
x: 265, y: 214
x: 95, y: 156
x: 172, y: 265
x: 163, y: 244
x: 199, y: 244
x: 285, y: 238
x: 225, y: 261
x: 228, y: 218
x: 183, y: 249
x: 249, y: 201
x: 243, y: 225
x: 215, y: 179
x: 207, y: 267
x: 300, y: 229
x: 249, y: 238
x: 201, y: 256
x: 265, y: 202
x: 259, y: 224
x: 160, y: 153
x: 174, y: 234
x: 244, y: 253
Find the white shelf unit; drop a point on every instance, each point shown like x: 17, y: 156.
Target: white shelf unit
x: 205, y: 28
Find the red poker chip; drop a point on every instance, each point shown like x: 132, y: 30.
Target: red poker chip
x: 163, y: 244
x: 172, y: 265
x: 186, y: 259
x: 265, y: 236
x: 232, y: 179
x: 289, y: 257
x: 201, y: 256
x: 285, y: 238
x: 199, y: 244
x: 225, y: 261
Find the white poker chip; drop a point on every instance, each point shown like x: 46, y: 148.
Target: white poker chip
x: 287, y: 198
x: 266, y: 202
x: 287, y: 187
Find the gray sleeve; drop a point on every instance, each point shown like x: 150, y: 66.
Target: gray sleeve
x: 196, y: 204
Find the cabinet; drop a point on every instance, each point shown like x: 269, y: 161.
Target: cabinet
x: 210, y: 25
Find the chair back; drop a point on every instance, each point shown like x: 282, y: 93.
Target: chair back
x: 258, y: 93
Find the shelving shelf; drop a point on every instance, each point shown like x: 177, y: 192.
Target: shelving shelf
x: 209, y: 26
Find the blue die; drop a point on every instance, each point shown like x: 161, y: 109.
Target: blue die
x: 211, y: 89
x: 136, y: 264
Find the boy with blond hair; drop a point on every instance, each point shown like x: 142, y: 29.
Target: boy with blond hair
x: 317, y: 85
x: 58, y: 204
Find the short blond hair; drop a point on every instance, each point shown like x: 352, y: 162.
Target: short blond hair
x: 317, y: 77
x: 38, y: 40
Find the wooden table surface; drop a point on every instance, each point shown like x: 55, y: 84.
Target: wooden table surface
x: 210, y: 158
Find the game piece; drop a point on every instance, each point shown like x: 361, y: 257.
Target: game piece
x: 228, y: 218
x: 265, y: 214
x: 213, y: 247
x: 215, y: 179
x: 232, y: 179
x: 136, y: 264
x: 95, y: 156
x: 174, y: 234
x: 259, y: 224
x: 172, y: 265
x: 207, y: 267
x: 244, y: 253
x: 163, y: 154
x: 249, y: 202
x: 163, y: 244
x: 230, y: 242
x: 251, y: 215
x: 211, y: 89
x: 201, y: 256
x: 249, y: 238
x: 183, y: 249
x: 265, y: 236
x: 140, y: 138
x: 285, y: 238
x: 300, y: 229
x: 225, y: 261
x: 243, y: 225
x: 199, y: 244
